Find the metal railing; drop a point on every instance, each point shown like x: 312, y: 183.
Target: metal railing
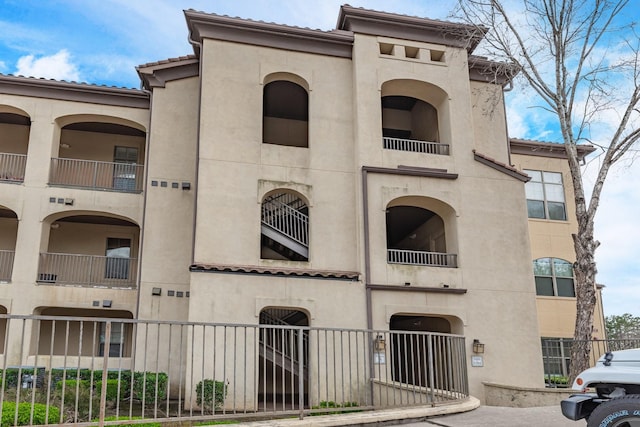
x: 12, y: 167
x: 286, y: 220
x: 123, y: 177
x: 6, y: 265
x: 184, y: 371
x: 433, y: 259
x: 415, y: 146
x: 87, y: 270
x: 556, y: 356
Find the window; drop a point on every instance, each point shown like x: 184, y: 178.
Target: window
x: 124, y: 170
x: 118, y: 257
x: 545, y: 195
x: 554, y: 277
x: 556, y: 355
x: 116, y: 341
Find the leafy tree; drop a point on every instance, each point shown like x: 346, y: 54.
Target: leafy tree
x: 574, y: 55
x: 622, y: 327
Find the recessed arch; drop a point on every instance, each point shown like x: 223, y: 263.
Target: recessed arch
x: 411, y: 117
x: 284, y: 226
x: 9, y: 109
x: 15, y: 127
x: 285, y: 112
x: 286, y: 76
x: 64, y: 121
x: 419, y: 231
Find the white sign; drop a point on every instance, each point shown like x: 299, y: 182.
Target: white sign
x: 477, y: 361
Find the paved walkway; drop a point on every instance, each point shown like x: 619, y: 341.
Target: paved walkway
x: 494, y: 416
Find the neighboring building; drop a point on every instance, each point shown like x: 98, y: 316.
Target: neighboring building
x: 357, y: 178
x: 552, y: 221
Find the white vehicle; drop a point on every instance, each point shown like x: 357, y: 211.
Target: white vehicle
x: 616, y: 401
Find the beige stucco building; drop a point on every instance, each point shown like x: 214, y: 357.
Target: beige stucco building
x: 359, y: 178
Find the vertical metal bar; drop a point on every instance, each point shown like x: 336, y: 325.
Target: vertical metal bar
x: 105, y: 363
x: 301, y: 373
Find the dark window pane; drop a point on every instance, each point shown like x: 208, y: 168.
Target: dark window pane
x: 535, y: 208
x: 544, y: 286
x: 565, y: 287
x: 556, y: 211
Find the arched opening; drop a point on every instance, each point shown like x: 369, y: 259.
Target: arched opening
x: 411, y: 117
x: 416, y: 236
x: 14, y: 144
x: 285, y: 227
x: 423, y: 359
x: 285, y: 114
x: 100, y: 155
x: 90, y: 250
x: 82, y: 337
x: 8, y: 236
x: 280, y: 357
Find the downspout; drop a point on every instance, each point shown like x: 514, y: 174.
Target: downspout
x: 367, y: 270
x: 197, y: 167
x: 144, y: 202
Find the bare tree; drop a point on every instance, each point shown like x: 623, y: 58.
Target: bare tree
x: 574, y: 55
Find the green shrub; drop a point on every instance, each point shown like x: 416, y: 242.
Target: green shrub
x: 24, y: 414
x: 556, y: 380
x: 14, y: 376
x: 210, y: 394
x: 331, y: 404
x: 144, y: 386
x: 112, y: 390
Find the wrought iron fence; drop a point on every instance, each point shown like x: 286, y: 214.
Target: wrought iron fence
x: 85, y: 370
x: 556, y: 356
x: 122, y: 177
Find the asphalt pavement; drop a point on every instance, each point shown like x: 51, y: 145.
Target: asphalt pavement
x: 495, y: 416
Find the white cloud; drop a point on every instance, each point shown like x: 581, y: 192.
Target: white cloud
x: 3, y: 67
x: 57, y: 66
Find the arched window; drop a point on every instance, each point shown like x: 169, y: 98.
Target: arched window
x: 285, y: 227
x: 554, y: 277
x: 285, y: 114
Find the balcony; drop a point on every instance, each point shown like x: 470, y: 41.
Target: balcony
x: 87, y: 270
x: 95, y: 175
x: 12, y: 167
x: 432, y: 259
x: 6, y: 265
x: 415, y: 146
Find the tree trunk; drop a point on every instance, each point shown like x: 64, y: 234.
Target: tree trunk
x: 585, y: 284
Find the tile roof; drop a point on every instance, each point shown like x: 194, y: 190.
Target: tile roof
x: 502, y: 167
x: 168, y: 61
x: 276, y: 271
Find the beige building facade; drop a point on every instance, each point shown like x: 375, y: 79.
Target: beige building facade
x: 359, y: 178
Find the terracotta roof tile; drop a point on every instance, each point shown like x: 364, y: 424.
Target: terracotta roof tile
x: 276, y: 271
x: 168, y: 61
x: 502, y: 167
x: 63, y: 82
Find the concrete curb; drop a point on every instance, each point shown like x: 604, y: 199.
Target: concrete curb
x: 372, y: 417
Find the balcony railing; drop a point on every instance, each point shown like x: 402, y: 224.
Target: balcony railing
x: 415, y: 146
x: 123, y: 177
x: 433, y: 259
x: 12, y: 167
x: 87, y: 270
x: 6, y: 265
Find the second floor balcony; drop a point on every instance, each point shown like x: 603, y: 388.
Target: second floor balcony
x: 432, y: 259
x: 96, y: 175
x: 87, y: 270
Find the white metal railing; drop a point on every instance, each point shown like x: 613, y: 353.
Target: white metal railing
x: 169, y: 371
x: 87, y: 270
x: 286, y: 220
x: 434, y: 259
x: 12, y: 167
x: 6, y: 264
x: 415, y: 146
x: 123, y: 177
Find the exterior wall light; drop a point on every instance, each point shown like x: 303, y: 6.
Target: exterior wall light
x: 478, y: 347
x: 380, y: 343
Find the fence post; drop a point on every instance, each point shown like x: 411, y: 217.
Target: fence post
x: 105, y: 363
x: 301, y: 373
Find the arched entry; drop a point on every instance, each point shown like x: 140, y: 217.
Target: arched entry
x: 280, y: 357
x: 420, y: 359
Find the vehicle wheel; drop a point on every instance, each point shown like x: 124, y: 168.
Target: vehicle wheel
x: 619, y: 412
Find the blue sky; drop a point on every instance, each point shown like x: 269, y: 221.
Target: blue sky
x: 101, y: 42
